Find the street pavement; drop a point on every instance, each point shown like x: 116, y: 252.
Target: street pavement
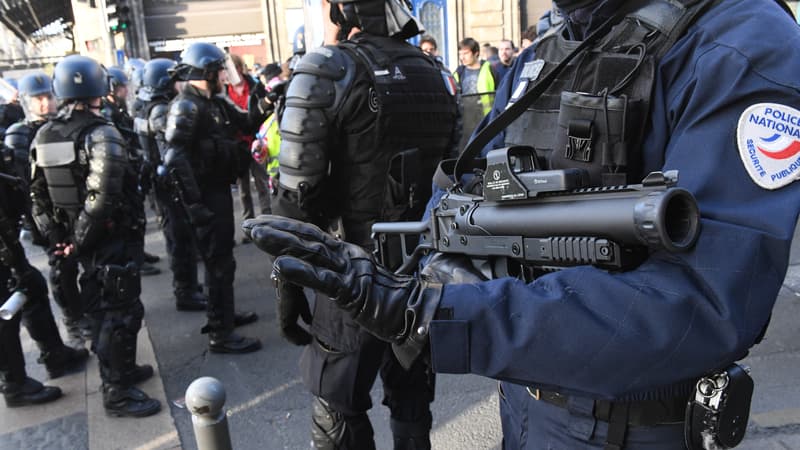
x: 268, y: 408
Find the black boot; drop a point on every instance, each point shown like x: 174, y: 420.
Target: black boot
x: 64, y: 360
x: 230, y: 342
x: 29, y: 392
x: 120, y: 401
x: 151, y: 258
x: 140, y: 373
x: 147, y: 269
x: 190, y: 300
x: 244, y: 318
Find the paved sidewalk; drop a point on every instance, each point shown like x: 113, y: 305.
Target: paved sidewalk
x: 78, y: 421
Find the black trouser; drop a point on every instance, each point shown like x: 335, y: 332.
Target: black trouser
x: 37, y: 317
x: 215, y: 242
x: 181, y: 247
x: 64, y: 284
x: 341, y: 366
x: 115, y: 320
x: 261, y: 178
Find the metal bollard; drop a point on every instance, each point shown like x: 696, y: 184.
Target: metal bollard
x: 205, y: 399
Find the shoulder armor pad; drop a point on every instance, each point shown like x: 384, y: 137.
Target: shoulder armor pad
x: 18, y: 136
x: 181, y: 120
x: 327, y: 62
x: 158, y: 118
x: 108, y: 140
x: 317, y: 88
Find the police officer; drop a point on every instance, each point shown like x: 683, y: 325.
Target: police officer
x: 36, y: 98
x: 366, y: 121
x: 16, y: 274
x: 85, y: 193
x: 203, y: 158
x: 589, y: 358
x: 157, y: 90
x: 115, y: 109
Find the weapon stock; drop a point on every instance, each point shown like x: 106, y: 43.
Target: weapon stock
x: 546, y: 219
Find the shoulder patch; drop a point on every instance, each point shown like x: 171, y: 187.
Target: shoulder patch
x: 768, y: 137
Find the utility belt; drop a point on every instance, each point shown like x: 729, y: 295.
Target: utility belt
x: 715, y: 415
x: 640, y: 413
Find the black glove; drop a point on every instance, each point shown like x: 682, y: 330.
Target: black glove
x: 201, y: 219
x: 292, y: 305
x: 394, y: 308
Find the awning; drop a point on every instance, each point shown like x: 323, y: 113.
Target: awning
x: 26, y: 17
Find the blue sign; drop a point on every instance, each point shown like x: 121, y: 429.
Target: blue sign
x: 120, y: 57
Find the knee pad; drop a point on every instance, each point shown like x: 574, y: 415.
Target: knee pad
x: 327, y: 426
x: 121, y: 286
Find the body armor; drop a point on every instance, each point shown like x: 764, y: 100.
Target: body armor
x: 16, y: 151
x: 390, y: 148
x: 593, y: 116
x: 203, y: 129
x: 84, y: 164
x: 150, y: 124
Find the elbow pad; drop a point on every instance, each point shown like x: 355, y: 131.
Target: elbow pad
x: 107, y: 165
x: 181, y: 122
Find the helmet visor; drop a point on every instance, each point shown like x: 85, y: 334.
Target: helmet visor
x: 37, y: 107
x: 232, y: 74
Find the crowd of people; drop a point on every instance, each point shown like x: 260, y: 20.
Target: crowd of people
x: 351, y: 134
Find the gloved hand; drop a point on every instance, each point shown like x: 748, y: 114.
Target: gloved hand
x: 394, y: 308
x: 201, y: 218
x: 292, y: 306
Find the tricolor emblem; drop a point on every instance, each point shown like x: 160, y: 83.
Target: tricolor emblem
x: 768, y: 137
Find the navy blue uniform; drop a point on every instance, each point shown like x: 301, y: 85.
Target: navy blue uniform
x: 652, y: 331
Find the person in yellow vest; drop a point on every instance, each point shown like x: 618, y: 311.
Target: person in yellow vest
x: 474, y: 76
x: 266, y: 146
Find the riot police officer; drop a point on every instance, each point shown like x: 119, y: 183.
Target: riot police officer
x: 203, y: 158
x: 16, y: 274
x: 157, y: 90
x: 115, y: 109
x: 590, y: 358
x: 86, y: 198
x: 366, y: 121
x: 36, y: 98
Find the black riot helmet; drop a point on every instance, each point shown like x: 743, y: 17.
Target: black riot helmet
x: 79, y: 77
x: 35, y: 84
x: 202, y: 61
x: 157, y: 79
x: 117, y: 78
x: 379, y: 17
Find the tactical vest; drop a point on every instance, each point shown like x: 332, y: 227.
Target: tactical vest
x: 387, y: 168
x: 63, y: 160
x: 211, y: 151
x: 594, y: 115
